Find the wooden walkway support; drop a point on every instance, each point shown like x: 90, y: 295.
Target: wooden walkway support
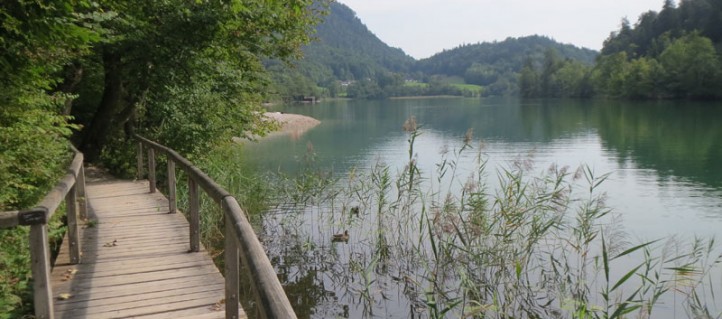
x: 136, y: 261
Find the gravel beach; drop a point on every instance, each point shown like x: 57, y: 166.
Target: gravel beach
x: 293, y: 125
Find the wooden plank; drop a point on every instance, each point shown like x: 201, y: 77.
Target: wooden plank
x: 131, y: 253
x: 136, y: 262
x: 139, y: 164
x: 142, y: 300
x: 171, y: 186
x: 109, y: 293
x: 119, y: 294
x: 156, y: 218
x: 40, y: 265
x: 88, y: 293
x: 130, y: 266
x: 157, y: 306
x: 231, y: 264
x: 194, y: 215
x: 8, y: 219
x: 271, y: 299
x: 73, y: 234
x: 151, y: 170
x: 116, y: 271
x: 82, y: 203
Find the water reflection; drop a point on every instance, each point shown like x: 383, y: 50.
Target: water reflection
x: 677, y: 140
x: 663, y: 158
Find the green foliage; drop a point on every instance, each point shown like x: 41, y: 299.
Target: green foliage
x: 555, y: 78
x: 16, y: 297
x: 225, y: 165
x: 188, y: 72
x: 32, y: 153
x: 14, y: 273
x: 347, y: 52
x: 209, y: 107
x: 689, y: 67
x: 172, y: 67
x: 344, y: 50
x: 692, y: 67
x: 36, y: 41
x: 494, y: 64
x: 670, y: 54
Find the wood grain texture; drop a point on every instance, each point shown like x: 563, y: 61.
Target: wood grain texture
x: 135, y: 261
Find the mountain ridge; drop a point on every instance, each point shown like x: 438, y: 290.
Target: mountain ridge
x: 347, y: 53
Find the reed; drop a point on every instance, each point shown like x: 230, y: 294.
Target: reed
x: 537, y: 245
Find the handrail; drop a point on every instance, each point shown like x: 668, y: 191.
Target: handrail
x: 71, y: 188
x: 269, y: 294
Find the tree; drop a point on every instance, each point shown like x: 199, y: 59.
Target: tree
x: 37, y: 40
x: 162, y: 53
x: 610, y: 73
x: 692, y: 67
x: 572, y: 80
x: 480, y: 74
x: 642, y: 79
x: 552, y: 63
x: 529, y: 85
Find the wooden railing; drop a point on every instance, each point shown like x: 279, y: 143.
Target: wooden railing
x: 71, y: 188
x: 240, y: 239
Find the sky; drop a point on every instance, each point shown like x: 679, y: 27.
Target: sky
x: 425, y: 27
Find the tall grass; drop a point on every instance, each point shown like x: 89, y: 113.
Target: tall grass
x: 536, y: 245
x: 225, y: 166
x: 449, y: 244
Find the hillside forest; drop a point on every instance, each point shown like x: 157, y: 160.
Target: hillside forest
x: 671, y: 54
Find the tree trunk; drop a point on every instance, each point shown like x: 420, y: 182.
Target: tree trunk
x: 73, y: 76
x: 97, y: 133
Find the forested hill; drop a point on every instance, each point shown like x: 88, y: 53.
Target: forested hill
x: 509, y: 54
x: 349, y: 60
x: 495, y: 65
x: 674, y: 53
x: 344, y: 51
x: 351, y: 50
x: 655, y: 30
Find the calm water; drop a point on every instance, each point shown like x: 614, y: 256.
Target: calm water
x: 665, y: 161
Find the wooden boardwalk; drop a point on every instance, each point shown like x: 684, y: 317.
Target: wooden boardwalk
x: 135, y: 261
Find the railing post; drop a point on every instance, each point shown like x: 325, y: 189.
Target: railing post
x: 73, y: 234
x: 172, y: 204
x: 80, y: 187
x: 151, y: 169
x: 231, y: 267
x: 194, y: 213
x: 40, y: 258
x: 139, y: 170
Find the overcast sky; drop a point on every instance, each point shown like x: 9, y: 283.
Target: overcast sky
x: 425, y: 27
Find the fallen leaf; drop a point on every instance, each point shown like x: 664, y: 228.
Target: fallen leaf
x: 64, y: 296
x: 218, y: 306
x: 113, y: 244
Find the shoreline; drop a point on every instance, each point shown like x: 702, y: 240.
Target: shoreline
x: 293, y: 125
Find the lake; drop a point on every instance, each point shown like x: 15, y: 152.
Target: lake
x: 663, y: 160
